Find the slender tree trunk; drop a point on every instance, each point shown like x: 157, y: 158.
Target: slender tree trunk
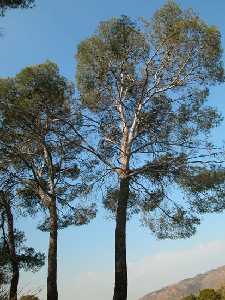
x: 12, y: 249
x: 120, y: 287
x: 14, y: 282
x: 52, y: 292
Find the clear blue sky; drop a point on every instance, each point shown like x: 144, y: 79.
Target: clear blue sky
x: 52, y: 30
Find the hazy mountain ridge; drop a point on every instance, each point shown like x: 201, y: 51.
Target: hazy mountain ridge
x: 211, y: 279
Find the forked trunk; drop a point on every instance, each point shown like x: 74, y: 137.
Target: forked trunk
x: 52, y: 292
x: 120, y: 287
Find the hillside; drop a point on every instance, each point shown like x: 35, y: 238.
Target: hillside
x: 212, y: 279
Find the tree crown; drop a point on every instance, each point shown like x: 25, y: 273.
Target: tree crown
x: 145, y: 91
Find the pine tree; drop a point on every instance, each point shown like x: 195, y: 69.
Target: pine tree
x: 14, y: 255
x: 38, y: 142
x: 143, y: 90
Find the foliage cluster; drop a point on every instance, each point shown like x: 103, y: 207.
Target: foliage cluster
x: 208, y: 294
x: 12, y: 4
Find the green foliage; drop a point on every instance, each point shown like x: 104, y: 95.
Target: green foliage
x: 110, y: 202
x: 29, y: 297
x: 146, y: 88
x: 116, y: 41
x: 79, y: 216
x: 191, y: 297
x: 9, y: 4
x: 27, y: 257
x: 172, y: 27
x: 206, y: 187
x: 36, y: 89
x: 41, y: 144
x: 207, y: 294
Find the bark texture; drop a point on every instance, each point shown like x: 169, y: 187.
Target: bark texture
x: 52, y: 292
x: 120, y: 287
x: 12, y: 251
x: 14, y: 282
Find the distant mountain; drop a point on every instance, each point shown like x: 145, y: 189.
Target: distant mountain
x: 212, y: 279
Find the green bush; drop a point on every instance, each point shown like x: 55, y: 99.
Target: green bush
x: 208, y: 294
x: 29, y: 297
x: 191, y: 297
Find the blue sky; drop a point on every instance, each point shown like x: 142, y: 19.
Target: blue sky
x: 52, y: 30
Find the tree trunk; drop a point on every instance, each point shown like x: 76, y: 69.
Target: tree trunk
x: 52, y: 293
x: 120, y: 287
x: 12, y: 250
x: 14, y: 282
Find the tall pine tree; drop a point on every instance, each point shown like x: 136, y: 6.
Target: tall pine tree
x: 38, y: 142
x: 144, y: 90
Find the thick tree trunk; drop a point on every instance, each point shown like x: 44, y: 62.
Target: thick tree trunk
x: 120, y: 287
x: 12, y: 250
x: 52, y: 293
